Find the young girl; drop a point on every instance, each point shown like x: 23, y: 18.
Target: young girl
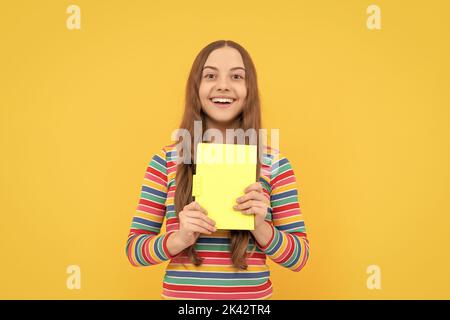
x: 207, y: 263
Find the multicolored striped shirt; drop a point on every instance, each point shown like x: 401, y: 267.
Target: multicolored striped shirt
x: 216, y: 277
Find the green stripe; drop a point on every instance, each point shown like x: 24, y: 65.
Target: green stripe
x: 283, y: 201
x: 139, y: 250
x: 294, y: 255
x: 266, y: 184
x: 212, y: 247
x: 160, y: 248
x: 152, y: 197
x: 275, y: 240
x: 157, y: 166
x: 285, y: 167
x: 137, y: 225
x: 171, y: 214
x: 299, y: 229
x: 215, y: 282
x: 220, y: 247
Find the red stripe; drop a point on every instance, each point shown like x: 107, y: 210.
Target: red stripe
x: 172, y: 220
x: 300, y: 234
x: 282, y: 176
x: 170, y: 163
x: 152, y: 204
x: 216, y: 289
x: 141, y: 231
x: 285, y: 207
x: 291, y: 245
x: 209, y: 254
x: 157, y: 173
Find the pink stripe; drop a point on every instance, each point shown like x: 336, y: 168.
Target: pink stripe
x: 146, y: 251
x: 130, y: 252
x: 286, y: 214
x: 305, y: 259
x: 152, y: 210
x: 283, y: 182
x: 171, y: 195
x: 171, y: 170
x: 215, y: 261
x: 288, y: 247
x: 154, y: 178
x: 229, y: 296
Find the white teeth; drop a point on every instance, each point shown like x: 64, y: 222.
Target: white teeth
x: 222, y: 100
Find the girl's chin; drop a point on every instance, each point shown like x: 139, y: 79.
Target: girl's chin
x: 218, y: 120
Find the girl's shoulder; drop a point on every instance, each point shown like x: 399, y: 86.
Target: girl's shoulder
x: 270, y: 151
x: 170, y: 148
x: 164, y: 156
x: 271, y: 154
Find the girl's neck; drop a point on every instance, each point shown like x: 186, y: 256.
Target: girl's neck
x: 235, y: 124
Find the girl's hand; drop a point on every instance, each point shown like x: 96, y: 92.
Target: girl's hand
x: 193, y: 221
x: 253, y: 202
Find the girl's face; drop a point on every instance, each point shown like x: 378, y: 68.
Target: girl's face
x: 223, y: 76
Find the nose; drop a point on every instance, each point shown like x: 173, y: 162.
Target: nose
x: 222, y: 84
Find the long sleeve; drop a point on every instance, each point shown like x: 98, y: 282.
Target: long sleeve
x: 288, y: 245
x: 145, y: 245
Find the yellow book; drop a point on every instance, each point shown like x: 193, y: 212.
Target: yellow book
x: 222, y: 173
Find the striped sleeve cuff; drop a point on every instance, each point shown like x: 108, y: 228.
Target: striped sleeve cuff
x: 157, y: 248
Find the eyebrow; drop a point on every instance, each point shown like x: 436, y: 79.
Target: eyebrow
x: 218, y: 69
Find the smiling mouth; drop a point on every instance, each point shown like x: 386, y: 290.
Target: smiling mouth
x: 223, y: 103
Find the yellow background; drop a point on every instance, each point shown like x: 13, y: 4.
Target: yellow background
x: 363, y: 117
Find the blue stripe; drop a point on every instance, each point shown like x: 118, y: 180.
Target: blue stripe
x: 270, y: 156
x: 206, y: 240
x: 171, y: 153
x: 136, y: 250
x: 159, y: 160
x: 292, y: 225
x: 299, y: 253
x: 154, y: 191
x: 147, y: 222
x: 156, y: 249
x: 278, y: 245
x: 216, y: 275
x: 213, y: 240
x: 282, y: 161
x: 284, y: 195
x: 265, y: 184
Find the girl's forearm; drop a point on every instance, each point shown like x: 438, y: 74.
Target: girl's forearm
x: 174, y: 244
x: 263, y: 233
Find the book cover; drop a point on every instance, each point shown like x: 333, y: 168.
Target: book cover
x: 222, y: 173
